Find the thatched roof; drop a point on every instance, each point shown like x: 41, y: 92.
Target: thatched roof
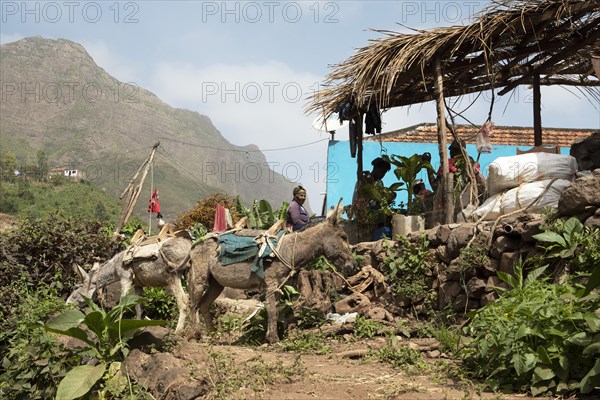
x: 504, y: 47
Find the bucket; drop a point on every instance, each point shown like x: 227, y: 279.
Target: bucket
x: 405, y: 224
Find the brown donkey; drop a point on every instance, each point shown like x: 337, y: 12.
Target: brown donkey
x: 207, y: 277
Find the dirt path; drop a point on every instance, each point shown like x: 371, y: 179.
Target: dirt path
x: 216, y: 370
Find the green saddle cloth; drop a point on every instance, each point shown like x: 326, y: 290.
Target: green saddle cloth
x: 235, y: 249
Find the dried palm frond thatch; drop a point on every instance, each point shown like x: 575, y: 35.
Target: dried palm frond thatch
x: 505, y: 46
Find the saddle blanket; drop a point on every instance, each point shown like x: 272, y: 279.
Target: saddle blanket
x: 234, y: 249
x: 148, y: 251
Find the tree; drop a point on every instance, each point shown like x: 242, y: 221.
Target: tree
x: 42, y: 165
x: 8, y: 165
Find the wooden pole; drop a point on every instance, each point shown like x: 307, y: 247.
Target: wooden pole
x: 134, y: 192
x: 359, y: 144
x: 537, y: 111
x: 443, y: 143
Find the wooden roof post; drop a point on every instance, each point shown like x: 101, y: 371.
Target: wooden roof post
x: 359, y: 143
x: 443, y: 143
x: 537, y: 111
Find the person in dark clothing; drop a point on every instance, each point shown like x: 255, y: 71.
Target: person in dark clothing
x: 368, y: 195
x: 296, y: 215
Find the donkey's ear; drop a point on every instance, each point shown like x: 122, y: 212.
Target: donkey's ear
x: 80, y: 272
x: 335, y: 214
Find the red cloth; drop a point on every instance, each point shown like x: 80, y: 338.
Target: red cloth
x: 452, y: 168
x: 220, y: 219
x: 154, y: 203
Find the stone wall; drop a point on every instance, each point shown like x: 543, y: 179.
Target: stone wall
x: 465, y: 280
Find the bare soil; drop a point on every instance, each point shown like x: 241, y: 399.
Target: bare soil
x: 215, y: 369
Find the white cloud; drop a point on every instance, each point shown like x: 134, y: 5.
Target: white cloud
x: 260, y: 104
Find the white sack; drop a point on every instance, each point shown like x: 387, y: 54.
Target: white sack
x: 523, y: 196
x: 509, y: 172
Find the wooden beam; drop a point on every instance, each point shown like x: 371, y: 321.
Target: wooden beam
x: 443, y: 143
x: 537, y: 111
x: 569, y: 49
x: 133, y: 192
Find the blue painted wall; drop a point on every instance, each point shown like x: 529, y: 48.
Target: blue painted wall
x: 341, y: 176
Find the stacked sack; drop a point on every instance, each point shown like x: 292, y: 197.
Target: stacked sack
x: 528, y: 181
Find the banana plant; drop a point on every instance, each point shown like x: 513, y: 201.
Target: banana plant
x: 261, y: 214
x: 407, y: 169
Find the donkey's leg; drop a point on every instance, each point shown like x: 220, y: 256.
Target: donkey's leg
x: 182, y: 302
x: 271, y: 301
x: 139, y: 291
x: 212, y: 292
x: 197, y: 284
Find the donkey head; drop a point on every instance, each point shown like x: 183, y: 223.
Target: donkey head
x: 335, y: 243
x: 86, y: 287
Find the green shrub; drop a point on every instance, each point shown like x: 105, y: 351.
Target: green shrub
x: 43, y: 248
x: 540, y: 337
x: 570, y: 245
x: 366, y: 328
x: 160, y: 304
x: 33, y: 360
x: 406, y: 266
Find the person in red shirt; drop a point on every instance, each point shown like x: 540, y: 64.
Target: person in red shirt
x: 455, y: 166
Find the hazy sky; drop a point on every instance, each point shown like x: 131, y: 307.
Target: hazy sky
x: 250, y: 66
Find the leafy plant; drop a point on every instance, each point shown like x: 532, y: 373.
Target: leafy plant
x: 374, y: 205
x: 307, y: 318
x: 539, y: 337
x: 39, y: 253
x: 198, y: 231
x: 571, y: 245
x: 407, y: 169
x: 159, y: 304
x: 106, y: 336
x: 517, y: 279
x: 261, y: 215
x: 366, y: 328
x: 474, y: 256
x: 406, y: 266
x: 32, y: 360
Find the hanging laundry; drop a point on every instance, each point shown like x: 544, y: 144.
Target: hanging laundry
x: 344, y: 111
x: 373, y: 119
x: 154, y: 203
x: 353, y: 136
x: 483, y: 140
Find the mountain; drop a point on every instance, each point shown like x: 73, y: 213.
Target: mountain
x: 56, y: 99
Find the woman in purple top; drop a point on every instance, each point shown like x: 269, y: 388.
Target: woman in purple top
x: 297, y: 217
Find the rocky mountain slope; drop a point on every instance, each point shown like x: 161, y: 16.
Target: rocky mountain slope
x: 56, y: 99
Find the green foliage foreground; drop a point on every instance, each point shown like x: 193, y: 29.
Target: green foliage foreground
x: 106, y: 336
x: 541, y: 337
